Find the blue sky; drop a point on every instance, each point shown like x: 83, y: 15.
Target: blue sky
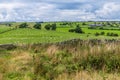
x: 59, y: 10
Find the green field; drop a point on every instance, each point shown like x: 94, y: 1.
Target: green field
x: 30, y: 35
x: 23, y: 58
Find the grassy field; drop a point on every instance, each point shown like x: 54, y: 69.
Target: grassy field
x: 62, y: 55
x: 43, y: 36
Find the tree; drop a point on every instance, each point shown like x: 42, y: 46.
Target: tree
x: 23, y: 25
x: 102, y: 33
x: 53, y: 27
x: 72, y: 30
x: 47, y: 27
x: 97, y: 34
x: 78, y: 29
x: 78, y: 26
x: 84, y: 23
x: 37, y: 26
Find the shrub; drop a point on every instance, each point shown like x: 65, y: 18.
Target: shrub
x: 50, y: 27
x: 108, y: 34
x: 37, y: 26
x: 72, y: 30
x: 112, y: 34
x: 102, y: 33
x: 47, y: 27
x: 115, y: 35
x: 84, y: 23
x: 23, y: 25
x: 53, y: 27
x: 78, y: 29
x: 97, y: 34
x: 101, y: 28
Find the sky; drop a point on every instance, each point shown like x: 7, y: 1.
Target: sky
x: 59, y: 10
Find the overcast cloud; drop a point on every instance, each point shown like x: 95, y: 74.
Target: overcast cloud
x: 59, y: 10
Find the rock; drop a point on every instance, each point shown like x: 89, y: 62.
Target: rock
x: 7, y: 46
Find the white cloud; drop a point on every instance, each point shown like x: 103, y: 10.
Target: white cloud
x: 109, y: 10
x: 11, y: 5
x: 29, y: 10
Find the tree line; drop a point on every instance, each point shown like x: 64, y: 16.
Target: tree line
x: 39, y: 26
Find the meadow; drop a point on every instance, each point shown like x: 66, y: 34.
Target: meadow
x: 41, y: 54
x: 31, y: 35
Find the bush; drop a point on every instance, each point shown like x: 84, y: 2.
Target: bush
x: 47, y: 27
x: 53, y: 27
x: 101, y: 28
x: 97, y: 34
x: 84, y: 23
x: 78, y: 29
x: 72, y: 30
x: 102, y: 33
x: 50, y: 27
x: 112, y: 34
x: 23, y: 25
x: 37, y: 26
x: 108, y: 34
x: 115, y: 35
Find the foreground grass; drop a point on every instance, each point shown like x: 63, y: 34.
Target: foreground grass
x: 61, y: 62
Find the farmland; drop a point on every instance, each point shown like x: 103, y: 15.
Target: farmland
x: 69, y: 51
x: 31, y: 35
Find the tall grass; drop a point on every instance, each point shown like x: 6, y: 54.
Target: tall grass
x: 69, y: 60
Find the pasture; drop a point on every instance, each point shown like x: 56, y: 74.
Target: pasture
x: 60, y: 51
x: 31, y: 35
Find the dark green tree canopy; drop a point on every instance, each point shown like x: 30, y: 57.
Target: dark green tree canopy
x: 53, y: 27
x: 47, y: 27
x: 23, y: 25
x: 50, y: 27
x: 37, y: 26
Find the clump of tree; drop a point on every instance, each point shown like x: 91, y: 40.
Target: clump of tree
x: 101, y: 28
x: 72, y: 30
x: 47, y: 27
x: 37, y: 26
x: 102, y: 33
x: 97, y: 34
x: 76, y: 30
x: 23, y: 25
x: 84, y: 23
x: 53, y: 27
x: 112, y: 34
x: 50, y: 27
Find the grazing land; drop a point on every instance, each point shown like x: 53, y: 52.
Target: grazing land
x: 14, y: 34
x: 60, y: 50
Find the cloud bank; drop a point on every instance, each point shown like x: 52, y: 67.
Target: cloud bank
x: 59, y: 10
